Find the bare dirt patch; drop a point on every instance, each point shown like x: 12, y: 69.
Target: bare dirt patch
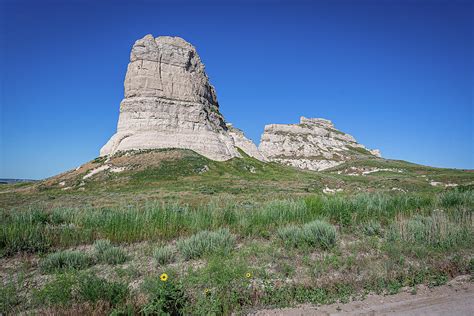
x: 454, y: 298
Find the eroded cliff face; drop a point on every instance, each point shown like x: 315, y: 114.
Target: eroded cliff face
x: 313, y: 144
x: 169, y: 102
x: 244, y: 143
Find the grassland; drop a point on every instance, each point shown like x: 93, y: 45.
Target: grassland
x: 228, y: 237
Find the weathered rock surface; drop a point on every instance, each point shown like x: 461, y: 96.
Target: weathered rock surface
x: 244, y: 143
x: 312, y: 144
x: 169, y: 102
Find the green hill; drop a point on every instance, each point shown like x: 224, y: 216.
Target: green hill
x: 185, y: 176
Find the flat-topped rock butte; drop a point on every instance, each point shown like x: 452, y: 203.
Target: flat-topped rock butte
x: 169, y: 103
x: 313, y: 144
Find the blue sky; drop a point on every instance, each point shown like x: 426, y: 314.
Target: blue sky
x: 397, y: 75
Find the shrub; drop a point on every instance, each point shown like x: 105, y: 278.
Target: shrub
x: 9, y: 297
x: 93, y: 289
x: 113, y: 255
x: 65, y: 260
x: 320, y: 233
x: 165, y: 298
x: 164, y: 255
x: 56, y: 292
x: 109, y: 254
x: 314, y: 234
x: 206, y: 242
x: 372, y: 228
x: 291, y: 235
x: 102, y: 245
x: 455, y: 198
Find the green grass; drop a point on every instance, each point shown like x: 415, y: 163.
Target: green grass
x: 66, y: 288
x: 164, y: 255
x: 65, y: 260
x: 9, y: 297
x: 57, y: 292
x: 372, y: 228
x: 164, y: 298
x: 310, y: 249
x: 314, y: 234
x: 436, y: 230
x: 102, y: 245
x: 177, y: 175
x: 37, y: 230
x: 206, y: 243
x: 93, y: 289
x: 106, y: 253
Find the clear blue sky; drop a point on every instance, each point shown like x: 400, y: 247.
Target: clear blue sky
x: 397, y: 75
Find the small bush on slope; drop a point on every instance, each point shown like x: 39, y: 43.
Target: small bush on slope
x: 81, y: 287
x: 101, y: 245
x: 93, y: 289
x: 164, y: 255
x: 314, y: 234
x: 65, y: 260
x: 206, y: 242
x: 109, y: 254
x: 165, y: 298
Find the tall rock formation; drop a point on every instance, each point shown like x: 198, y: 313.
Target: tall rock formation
x: 169, y: 102
x: 312, y: 144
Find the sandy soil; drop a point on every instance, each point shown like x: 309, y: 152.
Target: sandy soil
x: 454, y: 298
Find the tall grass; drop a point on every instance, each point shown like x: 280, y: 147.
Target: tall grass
x: 363, y: 207
x: 435, y: 230
x: 38, y: 230
x: 455, y: 198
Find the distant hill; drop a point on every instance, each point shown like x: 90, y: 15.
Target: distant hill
x: 9, y: 181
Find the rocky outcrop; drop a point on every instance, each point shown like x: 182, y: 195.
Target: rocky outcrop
x: 169, y: 102
x: 312, y: 144
x: 245, y: 144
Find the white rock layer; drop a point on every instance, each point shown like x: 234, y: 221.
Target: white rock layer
x: 169, y: 102
x: 244, y: 143
x: 312, y: 144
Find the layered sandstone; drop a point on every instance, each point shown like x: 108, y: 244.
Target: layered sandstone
x: 169, y: 102
x: 313, y: 144
x: 245, y: 144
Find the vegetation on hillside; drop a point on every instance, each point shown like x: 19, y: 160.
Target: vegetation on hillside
x: 229, y: 256
x: 186, y: 177
x: 169, y: 231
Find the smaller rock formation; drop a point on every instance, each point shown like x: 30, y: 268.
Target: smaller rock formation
x: 244, y: 143
x: 313, y: 144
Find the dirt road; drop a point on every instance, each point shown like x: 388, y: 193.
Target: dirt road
x: 454, y: 298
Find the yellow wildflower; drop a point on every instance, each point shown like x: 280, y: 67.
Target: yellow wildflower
x: 248, y: 275
x: 164, y: 277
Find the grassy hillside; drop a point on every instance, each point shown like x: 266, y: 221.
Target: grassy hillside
x: 185, y: 176
x: 169, y: 231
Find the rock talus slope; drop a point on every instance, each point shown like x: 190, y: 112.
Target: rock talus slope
x: 312, y: 144
x: 169, y: 102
